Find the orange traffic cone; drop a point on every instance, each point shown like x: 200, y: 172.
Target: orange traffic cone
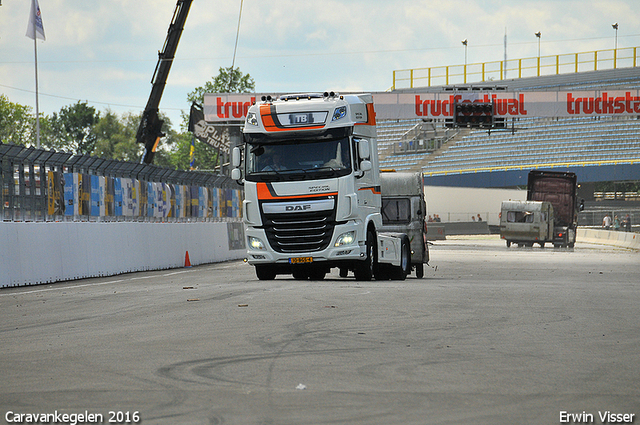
x: 187, y: 263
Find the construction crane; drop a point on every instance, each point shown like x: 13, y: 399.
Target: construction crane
x: 150, y: 129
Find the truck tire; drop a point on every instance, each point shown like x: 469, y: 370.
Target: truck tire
x: 366, y: 269
x: 300, y: 274
x: 420, y: 271
x: 265, y: 271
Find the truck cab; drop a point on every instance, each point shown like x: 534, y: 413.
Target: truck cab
x: 560, y: 189
x: 309, y: 166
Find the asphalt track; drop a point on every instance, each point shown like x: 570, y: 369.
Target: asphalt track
x: 490, y: 336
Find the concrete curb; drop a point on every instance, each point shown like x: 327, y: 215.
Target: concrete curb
x: 609, y: 237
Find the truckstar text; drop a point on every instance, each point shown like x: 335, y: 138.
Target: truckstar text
x: 603, y: 104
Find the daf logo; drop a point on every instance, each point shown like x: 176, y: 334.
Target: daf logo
x: 304, y: 207
x: 298, y: 207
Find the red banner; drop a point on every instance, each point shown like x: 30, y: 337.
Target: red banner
x: 225, y: 107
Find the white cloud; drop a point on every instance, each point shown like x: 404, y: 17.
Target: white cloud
x: 107, y: 51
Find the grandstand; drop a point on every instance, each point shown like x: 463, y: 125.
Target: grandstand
x: 429, y: 147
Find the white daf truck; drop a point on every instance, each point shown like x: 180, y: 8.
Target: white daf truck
x: 309, y: 166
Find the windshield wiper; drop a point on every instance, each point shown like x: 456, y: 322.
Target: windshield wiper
x: 332, y: 170
x: 268, y: 176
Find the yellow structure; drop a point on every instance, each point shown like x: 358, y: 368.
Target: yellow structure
x: 515, y: 68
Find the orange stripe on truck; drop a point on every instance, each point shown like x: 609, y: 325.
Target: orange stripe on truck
x: 266, y: 192
x: 271, y: 122
x: 371, y: 116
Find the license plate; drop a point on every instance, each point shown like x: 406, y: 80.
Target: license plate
x: 300, y: 260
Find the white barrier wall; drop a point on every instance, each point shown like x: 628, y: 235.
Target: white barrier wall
x: 39, y: 252
x: 609, y: 237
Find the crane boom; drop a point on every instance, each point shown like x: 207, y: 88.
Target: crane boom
x: 150, y: 129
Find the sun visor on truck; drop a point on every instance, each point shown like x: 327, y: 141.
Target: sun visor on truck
x: 308, y: 135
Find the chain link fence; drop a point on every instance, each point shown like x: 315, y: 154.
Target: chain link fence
x: 43, y: 185
x: 595, y: 218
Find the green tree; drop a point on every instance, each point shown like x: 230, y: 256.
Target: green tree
x: 115, y: 137
x: 228, y: 81
x: 72, y: 128
x: 17, y: 123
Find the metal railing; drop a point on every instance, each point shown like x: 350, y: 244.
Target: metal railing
x: 516, y: 68
x: 42, y: 185
x: 594, y: 218
x: 448, y: 171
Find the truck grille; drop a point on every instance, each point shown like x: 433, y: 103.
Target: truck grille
x: 299, y: 232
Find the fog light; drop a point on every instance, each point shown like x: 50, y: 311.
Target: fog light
x: 255, y: 243
x: 345, y: 239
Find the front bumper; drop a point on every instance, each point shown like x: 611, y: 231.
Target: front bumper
x: 347, y: 252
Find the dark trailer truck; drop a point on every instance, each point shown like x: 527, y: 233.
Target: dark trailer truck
x: 559, y: 189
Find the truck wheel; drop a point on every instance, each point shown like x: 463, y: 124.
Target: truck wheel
x: 508, y: 244
x: 365, y: 269
x: 344, y: 272
x: 300, y: 275
x: 317, y: 274
x: 265, y: 272
x: 420, y: 271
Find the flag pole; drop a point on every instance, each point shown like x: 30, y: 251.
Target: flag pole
x: 35, y: 51
x: 35, y: 23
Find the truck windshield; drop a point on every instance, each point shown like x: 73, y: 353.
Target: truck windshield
x: 298, y: 160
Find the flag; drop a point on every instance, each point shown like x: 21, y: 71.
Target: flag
x: 35, y: 28
x: 192, y: 153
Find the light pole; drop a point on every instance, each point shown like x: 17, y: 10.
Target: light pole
x: 538, y: 34
x: 615, y: 48
x: 464, y: 43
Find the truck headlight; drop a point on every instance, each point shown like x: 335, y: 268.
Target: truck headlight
x: 255, y: 243
x: 252, y: 119
x: 339, y: 113
x: 345, y: 239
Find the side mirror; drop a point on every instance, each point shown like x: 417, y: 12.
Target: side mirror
x: 236, y: 174
x: 236, y: 157
x: 363, y: 149
x: 365, y: 165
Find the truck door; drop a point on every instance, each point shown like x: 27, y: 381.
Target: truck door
x: 368, y: 192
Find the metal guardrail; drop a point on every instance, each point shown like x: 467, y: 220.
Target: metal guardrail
x: 42, y: 185
x: 530, y: 166
x: 525, y: 67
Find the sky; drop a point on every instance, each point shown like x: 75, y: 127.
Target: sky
x: 105, y: 52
